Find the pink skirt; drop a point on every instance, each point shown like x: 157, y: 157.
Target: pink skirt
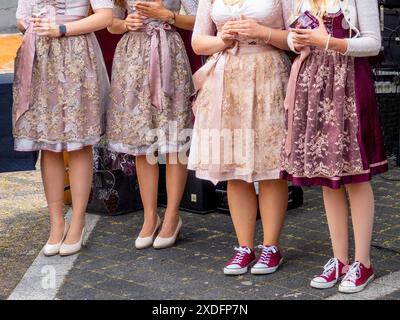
x: 68, y: 96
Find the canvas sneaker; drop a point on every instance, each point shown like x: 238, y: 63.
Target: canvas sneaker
x: 357, y: 278
x: 270, y: 260
x: 334, y: 270
x: 240, y: 262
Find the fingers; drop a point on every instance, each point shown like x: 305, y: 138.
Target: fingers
x: 144, y: 5
x: 238, y: 23
x: 42, y: 27
x: 134, y: 21
x: 136, y: 15
x: 301, y: 31
x: 133, y: 26
x: 226, y: 35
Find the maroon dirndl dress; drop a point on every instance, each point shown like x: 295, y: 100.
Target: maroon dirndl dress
x: 336, y: 133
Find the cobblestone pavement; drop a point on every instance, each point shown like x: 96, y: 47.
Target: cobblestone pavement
x: 23, y: 225
x: 110, y: 268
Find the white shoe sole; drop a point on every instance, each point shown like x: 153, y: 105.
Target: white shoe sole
x: 343, y: 289
x: 235, y: 272
x: 265, y: 271
x: 323, y: 285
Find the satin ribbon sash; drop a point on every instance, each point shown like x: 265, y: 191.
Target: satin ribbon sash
x: 160, y: 67
x: 213, y: 70
x: 291, y: 96
x: 24, y: 69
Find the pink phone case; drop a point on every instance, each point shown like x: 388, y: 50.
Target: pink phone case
x: 305, y: 21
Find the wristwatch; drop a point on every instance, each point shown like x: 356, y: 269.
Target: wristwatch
x: 62, y: 29
x: 171, y: 21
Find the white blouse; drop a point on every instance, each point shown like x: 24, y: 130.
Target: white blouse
x: 79, y: 8
x: 212, y: 14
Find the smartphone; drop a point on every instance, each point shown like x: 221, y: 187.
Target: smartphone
x: 305, y: 21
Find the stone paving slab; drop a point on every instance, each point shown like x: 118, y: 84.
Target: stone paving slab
x: 110, y: 267
x: 23, y: 225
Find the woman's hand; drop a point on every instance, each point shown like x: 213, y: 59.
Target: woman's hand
x: 44, y: 28
x: 134, y: 21
x: 154, y: 10
x: 310, y: 38
x: 228, y: 36
x: 248, y: 28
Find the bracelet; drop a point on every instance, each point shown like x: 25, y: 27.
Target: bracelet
x: 328, y: 41
x: 269, y: 36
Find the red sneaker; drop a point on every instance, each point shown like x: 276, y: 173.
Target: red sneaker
x: 356, y: 279
x: 334, y: 270
x: 240, y: 262
x: 269, y: 261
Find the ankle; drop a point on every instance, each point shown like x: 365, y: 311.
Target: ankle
x: 171, y: 215
x: 343, y: 259
x: 57, y: 222
x: 78, y: 222
x: 150, y: 218
x: 366, y: 262
x: 271, y: 244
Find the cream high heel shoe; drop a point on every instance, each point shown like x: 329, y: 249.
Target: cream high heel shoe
x: 146, y: 242
x: 164, y: 243
x: 71, y: 249
x: 53, y: 249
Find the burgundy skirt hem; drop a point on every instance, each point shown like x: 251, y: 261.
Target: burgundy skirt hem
x: 336, y: 182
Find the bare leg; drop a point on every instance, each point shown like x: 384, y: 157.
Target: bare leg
x: 273, y: 206
x: 53, y: 171
x: 362, y: 204
x: 80, y: 175
x: 242, y: 200
x: 148, y: 183
x: 337, y: 213
x: 176, y: 182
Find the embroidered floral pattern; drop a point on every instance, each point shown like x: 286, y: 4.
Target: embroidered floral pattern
x: 67, y: 92
x: 325, y: 128
x: 255, y: 111
x: 131, y: 115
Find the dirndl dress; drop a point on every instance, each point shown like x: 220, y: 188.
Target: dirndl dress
x: 61, y: 85
x: 336, y: 133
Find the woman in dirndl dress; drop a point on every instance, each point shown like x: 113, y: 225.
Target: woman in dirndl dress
x: 334, y: 135
x: 149, y: 112
x: 240, y: 118
x: 60, y: 92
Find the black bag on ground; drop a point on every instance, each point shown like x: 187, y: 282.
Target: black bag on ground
x: 115, y: 189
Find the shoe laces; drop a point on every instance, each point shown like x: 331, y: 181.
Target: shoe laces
x: 354, y: 273
x: 330, y: 266
x: 240, y: 254
x: 266, y: 253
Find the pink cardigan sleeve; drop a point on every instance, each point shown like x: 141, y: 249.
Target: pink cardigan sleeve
x: 24, y: 9
x: 288, y: 12
x: 204, y: 24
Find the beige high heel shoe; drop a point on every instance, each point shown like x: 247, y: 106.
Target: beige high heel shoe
x: 50, y: 250
x: 164, y: 243
x: 146, y: 242
x: 71, y: 249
